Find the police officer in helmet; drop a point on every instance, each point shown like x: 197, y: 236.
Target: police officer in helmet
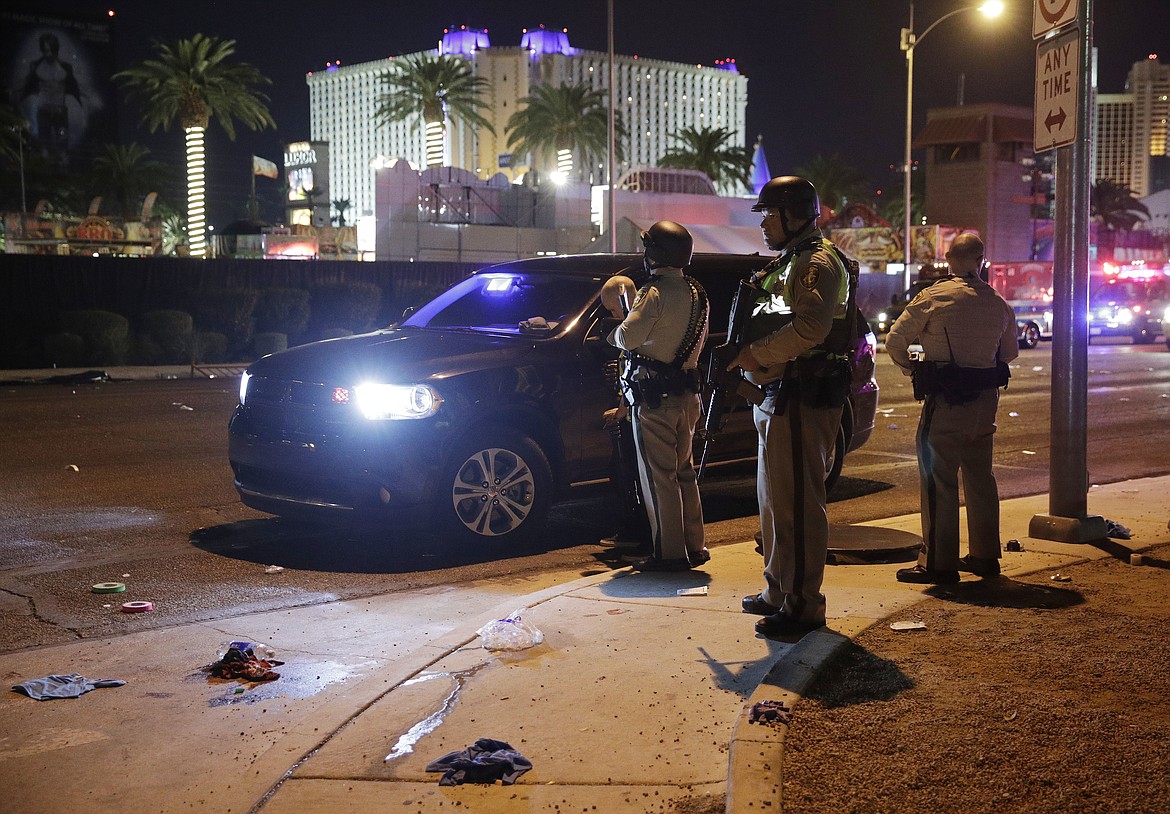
x: 664, y: 334
x: 797, y: 340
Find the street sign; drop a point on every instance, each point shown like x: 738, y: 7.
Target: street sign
x: 1049, y: 15
x: 1057, y: 75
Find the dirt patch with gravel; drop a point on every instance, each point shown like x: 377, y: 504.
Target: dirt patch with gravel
x: 1020, y: 695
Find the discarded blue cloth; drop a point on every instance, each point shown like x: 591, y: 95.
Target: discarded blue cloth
x: 63, y: 686
x: 485, y: 761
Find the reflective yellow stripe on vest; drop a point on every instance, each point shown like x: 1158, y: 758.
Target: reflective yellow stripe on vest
x: 782, y: 279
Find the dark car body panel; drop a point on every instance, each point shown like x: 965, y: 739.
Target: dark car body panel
x: 294, y: 448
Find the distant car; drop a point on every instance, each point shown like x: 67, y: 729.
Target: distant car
x: 478, y: 409
x: 1033, y: 322
x: 929, y: 274
x: 1128, y: 307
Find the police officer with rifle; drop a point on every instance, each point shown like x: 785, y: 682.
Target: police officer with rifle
x: 663, y: 335
x: 795, y: 349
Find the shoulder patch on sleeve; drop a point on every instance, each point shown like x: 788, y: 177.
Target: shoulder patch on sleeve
x: 810, y: 277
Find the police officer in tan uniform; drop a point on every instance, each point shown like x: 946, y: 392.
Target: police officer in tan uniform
x: 664, y: 334
x: 804, y: 297
x: 968, y: 335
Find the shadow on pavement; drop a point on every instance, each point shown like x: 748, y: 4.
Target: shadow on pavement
x: 301, y: 546
x: 858, y: 676
x: 1006, y: 593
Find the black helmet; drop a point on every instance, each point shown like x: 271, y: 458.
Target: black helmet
x: 793, y: 193
x: 668, y: 244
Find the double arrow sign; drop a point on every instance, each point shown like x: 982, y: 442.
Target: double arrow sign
x: 1057, y: 74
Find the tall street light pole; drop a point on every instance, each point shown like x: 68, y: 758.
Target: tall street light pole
x: 909, y: 40
x: 611, y: 219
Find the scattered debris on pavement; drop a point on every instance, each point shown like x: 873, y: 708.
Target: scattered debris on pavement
x: 138, y: 606
x: 1060, y: 578
x: 108, y: 588
x: 485, y: 761
x: 70, y: 685
x: 770, y: 713
x: 1014, y: 546
x: 273, y: 569
x: 240, y: 661
x: 699, y: 591
x: 513, y: 632
x: 907, y: 625
x: 1116, y: 530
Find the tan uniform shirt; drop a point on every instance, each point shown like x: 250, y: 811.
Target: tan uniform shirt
x: 814, y: 303
x: 960, y: 320
x: 657, y: 323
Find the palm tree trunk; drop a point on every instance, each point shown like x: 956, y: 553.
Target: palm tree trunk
x: 436, y: 141
x: 196, y: 191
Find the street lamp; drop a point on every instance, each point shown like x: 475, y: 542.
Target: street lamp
x: 990, y: 8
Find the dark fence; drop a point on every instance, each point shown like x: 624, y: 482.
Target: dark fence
x: 35, y: 290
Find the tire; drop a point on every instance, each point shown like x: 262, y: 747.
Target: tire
x: 1031, y: 336
x: 837, y: 459
x: 494, y: 488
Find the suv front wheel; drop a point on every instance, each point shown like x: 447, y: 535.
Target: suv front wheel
x: 496, y: 487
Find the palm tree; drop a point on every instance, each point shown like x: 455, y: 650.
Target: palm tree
x: 311, y: 194
x: 342, y: 206
x: 123, y: 174
x: 13, y: 128
x: 837, y: 182
x: 193, y: 81
x: 893, y: 208
x: 433, y: 87
x: 557, y: 121
x: 1115, y: 206
x: 13, y: 137
x: 709, y: 150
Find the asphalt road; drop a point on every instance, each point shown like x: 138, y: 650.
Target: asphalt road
x: 128, y: 482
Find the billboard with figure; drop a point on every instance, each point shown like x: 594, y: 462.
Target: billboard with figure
x: 55, y: 71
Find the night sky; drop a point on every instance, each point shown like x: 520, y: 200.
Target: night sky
x: 825, y: 76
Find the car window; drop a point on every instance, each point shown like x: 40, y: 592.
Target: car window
x: 1116, y: 291
x: 509, y: 303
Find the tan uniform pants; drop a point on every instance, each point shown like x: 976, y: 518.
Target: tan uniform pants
x: 953, y: 438
x: 790, y: 485
x: 663, y: 437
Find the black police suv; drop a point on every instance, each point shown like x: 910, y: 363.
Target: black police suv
x: 476, y: 411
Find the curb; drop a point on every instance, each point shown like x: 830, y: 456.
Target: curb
x: 756, y: 753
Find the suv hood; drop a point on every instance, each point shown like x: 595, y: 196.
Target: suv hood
x: 394, y: 356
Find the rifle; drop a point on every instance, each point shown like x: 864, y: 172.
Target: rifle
x: 721, y: 383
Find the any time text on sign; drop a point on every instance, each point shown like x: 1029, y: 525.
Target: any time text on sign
x: 1057, y: 74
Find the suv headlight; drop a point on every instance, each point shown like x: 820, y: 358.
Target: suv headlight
x: 380, y: 402
x: 245, y: 378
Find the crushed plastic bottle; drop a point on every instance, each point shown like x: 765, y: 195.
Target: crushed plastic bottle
x: 253, y: 649
x: 513, y: 632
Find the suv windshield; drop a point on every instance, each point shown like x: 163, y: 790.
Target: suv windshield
x: 508, y: 303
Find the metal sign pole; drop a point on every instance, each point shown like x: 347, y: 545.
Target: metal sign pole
x: 1068, y: 520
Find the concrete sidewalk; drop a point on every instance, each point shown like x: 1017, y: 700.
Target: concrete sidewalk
x: 636, y: 700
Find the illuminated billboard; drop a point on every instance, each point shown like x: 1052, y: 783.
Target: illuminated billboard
x: 56, y: 71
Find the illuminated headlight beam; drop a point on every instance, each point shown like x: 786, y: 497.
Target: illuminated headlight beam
x: 381, y: 402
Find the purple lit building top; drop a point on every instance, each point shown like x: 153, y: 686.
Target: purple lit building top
x: 542, y: 41
x: 464, y: 40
